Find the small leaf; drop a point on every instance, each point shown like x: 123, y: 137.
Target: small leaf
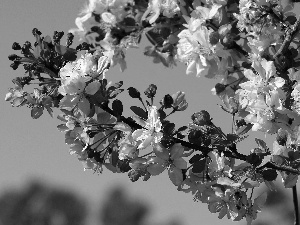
x: 62, y: 128
x: 92, y: 87
x: 69, y: 102
x: 84, y: 107
x: 114, y: 158
x: 269, y: 174
x: 49, y: 110
x: 134, y: 93
x: 261, y: 144
x: 290, y: 180
x: 195, y: 158
x: 124, y: 165
x: 113, y: 94
x: 36, y: 112
x: 169, y: 128
x: 175, y: 175
x: 244, y: 129
x: 117, y: 107
x: 19, y: 101
x: 68, y: 53
x: 260, y: 200
x: 291, y: 19
x: 160, y: 151
x: 155, y: 169
x: 199, y: 166
x: 139, y: 112
x: 180, y: 129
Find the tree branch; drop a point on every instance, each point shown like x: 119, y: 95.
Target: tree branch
x: 205, y: 150
x: 288, y: 39
x: 280, y: 168
x: 296, y: 207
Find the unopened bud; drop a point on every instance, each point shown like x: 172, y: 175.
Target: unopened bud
x: 219, y: 88
x: 214, y: 38
x: 13, y: 57
x: 167, y: 101
x: 15, y: 65
x: 179, y: 102
x: 201, y: 118
x: 281, y: 137
x: 16, y: 46
x: 151, y: 91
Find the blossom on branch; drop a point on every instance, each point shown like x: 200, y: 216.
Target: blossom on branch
x: 151, y: 132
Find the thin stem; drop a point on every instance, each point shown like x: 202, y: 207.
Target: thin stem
x: 296, y: 207
x: 171, y: 113
x: 141, y: 100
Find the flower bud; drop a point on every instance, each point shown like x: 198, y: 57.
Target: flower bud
x: 281, y: 137
x: 151, y: 91
x: 15, y: 65
x: 201, y: 118
x: 167, y: 101
x: 219, y: 88
x: 228, y: 41
x: 179, y: 102
x: 9, y: 96
x: 13, y: 57
x: 214, y: 38
x: 128, y: 151
x: 134, y: 175
x: 35, y: 31
x: 16, y: 46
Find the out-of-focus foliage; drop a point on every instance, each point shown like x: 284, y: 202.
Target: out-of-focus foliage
x: 38, y: 204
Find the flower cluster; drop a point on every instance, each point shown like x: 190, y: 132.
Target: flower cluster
x: 251, y: 46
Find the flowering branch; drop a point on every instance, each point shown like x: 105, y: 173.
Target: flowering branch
x: 242, y: 43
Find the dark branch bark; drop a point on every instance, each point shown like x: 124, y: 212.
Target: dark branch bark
x: 288, y: 39
x: 296, y: 207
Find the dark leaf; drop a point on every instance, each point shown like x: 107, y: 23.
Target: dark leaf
x: 114, y: 93
x: 134, y: 93
x: 261, y: 144
x: 195, y: 158
x: 232, y: 137
x: 36, y: 112
x: 117, y: 107
x: 162, y: 114
x: 124, y: 165
x: 254, y: 159
x: 114, y: 158
x: 269, y: 174
x: 244, y: 129
x: 291, y: 19
x: 68, y: 53
x: 199, y: 166
x: 169, y: 128
x: 139, y: 112
x: 155, y: 38
x: 180, y: 129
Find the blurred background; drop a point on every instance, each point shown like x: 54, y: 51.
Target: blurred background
x: 42, y: 184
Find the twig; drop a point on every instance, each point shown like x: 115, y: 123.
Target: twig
x: 296, y: 208
x: 280, y: 168
x: 288, y: 39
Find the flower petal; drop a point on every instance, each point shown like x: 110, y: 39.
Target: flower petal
x: 175, y: 175
x: 180, y: 163
x: 176, y: 151
x: 160, y: 151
